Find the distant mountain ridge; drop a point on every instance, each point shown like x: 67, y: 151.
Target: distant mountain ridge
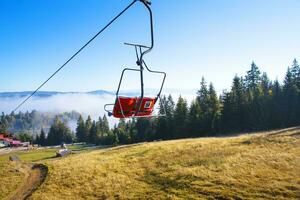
x: 49, y: 93
x: 44, y: 94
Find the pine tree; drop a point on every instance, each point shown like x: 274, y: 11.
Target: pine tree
x: 214, y: 110
x: 53, y: 137
x: 111, y: 138
x: 3, y: 128
x: 105, y: 124
x: 80, y: 129
x: 87, y: 129
x: 291, y: 97
x: 124, y: 134
x: 161, y: 122
x: 59, y: 133
x: 180, y: 118
x: 276, y: 109
x: 295, y: 71
x: 265, y: 84
x: 164, y: 125
x: 42, y: 138
x: 264, y: 102
x: 144, y: 130
x: 206, y: 97
x: 122, y: 123
x: 253, y: 77
x: 131, y: 130
x: 37, y: 140
x: 4, y: 124
x: 194, y: 119
x: 233, y: 112
x: 93, y: 135
x: 253, y: 106
x: 202, y: 95
x: 170, y: 110
x: 100, y: 128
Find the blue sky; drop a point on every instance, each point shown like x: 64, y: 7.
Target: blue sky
x: 194, y: 38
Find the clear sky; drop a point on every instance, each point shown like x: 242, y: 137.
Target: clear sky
x: 193, y: 38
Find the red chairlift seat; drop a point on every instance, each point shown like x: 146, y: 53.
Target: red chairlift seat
x: 128, y: 107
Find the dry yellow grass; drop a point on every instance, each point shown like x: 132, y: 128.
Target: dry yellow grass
x: 260, y: 166
x: 11, y: 176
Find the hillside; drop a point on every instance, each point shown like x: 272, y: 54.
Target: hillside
x: 262, y: 165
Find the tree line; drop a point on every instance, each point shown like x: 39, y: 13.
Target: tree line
x: 59, y: 133
x: 253, y: 103
x: 32, y: 122
x: 256, y: 103
x: 87, y: 131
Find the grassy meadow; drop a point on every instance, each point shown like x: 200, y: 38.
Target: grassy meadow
x: 12, y: 173
x: 251, y: 166
x: 256, y: 166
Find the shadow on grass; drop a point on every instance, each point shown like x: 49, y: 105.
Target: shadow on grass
x: 183, y: 186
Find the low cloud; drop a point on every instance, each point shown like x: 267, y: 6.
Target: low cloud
x: 86, y: 104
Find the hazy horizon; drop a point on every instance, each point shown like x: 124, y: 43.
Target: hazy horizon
x: 84, y: 103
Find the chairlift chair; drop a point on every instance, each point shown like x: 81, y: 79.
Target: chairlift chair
x: 141, y: 106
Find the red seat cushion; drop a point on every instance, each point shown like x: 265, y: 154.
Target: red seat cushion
x: 129, y: 106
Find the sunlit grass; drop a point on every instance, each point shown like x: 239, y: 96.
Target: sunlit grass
x: 245, y: 167
x: 34, y: 155
x: 12, y: 174
x: 31, y: 155
x: 10, y: 178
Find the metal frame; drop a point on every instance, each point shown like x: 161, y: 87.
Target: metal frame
x: 141, y: 51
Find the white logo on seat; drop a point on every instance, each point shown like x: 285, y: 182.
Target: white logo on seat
x: 147, y: 104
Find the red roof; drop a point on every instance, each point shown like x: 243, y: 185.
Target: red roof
x: 7, y: 139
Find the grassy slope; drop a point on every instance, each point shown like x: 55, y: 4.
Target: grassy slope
x: 12, y: 173
x: 10, y: 178
x: 256, y: 166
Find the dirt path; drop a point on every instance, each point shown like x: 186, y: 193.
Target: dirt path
x: 35, y: 175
